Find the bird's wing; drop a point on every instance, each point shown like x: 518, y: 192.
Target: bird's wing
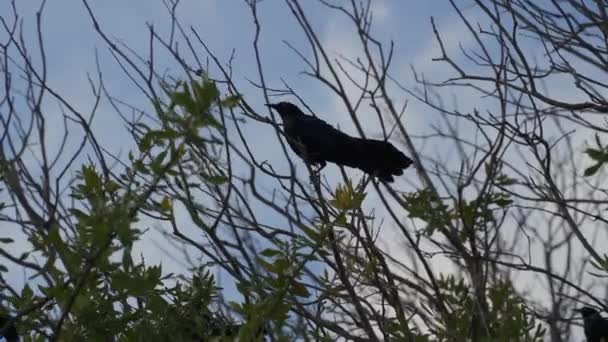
x: 316, y: 140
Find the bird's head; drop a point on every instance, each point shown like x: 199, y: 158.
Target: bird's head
x: 285, y: 109
x: 587, y: 311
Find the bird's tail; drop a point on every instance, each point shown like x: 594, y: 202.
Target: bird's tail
x: 379, y: 158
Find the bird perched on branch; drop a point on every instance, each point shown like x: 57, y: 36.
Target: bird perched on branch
x: 596, y: 327
x: 317, y: 142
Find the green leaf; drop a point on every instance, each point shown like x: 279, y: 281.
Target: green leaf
x: 299, y: 289
x: 184, y: 99
x: 157, y: 163
x: 145, y: 143
x: 270, y: 252
x: 277, y: 267
x: 27, y: 292
x: 166, y: 205
x: 340, y: 220
x: 280, y: 265
x: 597, y: 155
x: 346, y: 198
x: 504, y: 180
x: 208, y: 120
x: 80, y: 215
x: 592, y: 170
x: 243, y: 287
x: 502, y: 200
x: 90, y: 176
x: 425, y: 205
x: 311, y: 233
x: 280, y: 311
x: 216, y: 180
x: 210, y: 93
x: 231, y: 101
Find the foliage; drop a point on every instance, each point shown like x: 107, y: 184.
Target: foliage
x: 508, y: 209
x: 507, y: 317
x: 599, y: 155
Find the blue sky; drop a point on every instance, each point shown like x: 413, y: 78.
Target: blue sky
x: 71, y: 45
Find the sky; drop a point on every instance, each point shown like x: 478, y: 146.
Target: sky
x: 72, y: 46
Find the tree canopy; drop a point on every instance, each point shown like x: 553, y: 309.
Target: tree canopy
x: 496, y: 232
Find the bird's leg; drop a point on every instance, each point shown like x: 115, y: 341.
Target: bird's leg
x: 316, y: 173
x: 314, y: 176
x: 322, y: 165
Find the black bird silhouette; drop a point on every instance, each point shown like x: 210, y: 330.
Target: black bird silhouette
x: 596, y: 327
x: 317, y: 142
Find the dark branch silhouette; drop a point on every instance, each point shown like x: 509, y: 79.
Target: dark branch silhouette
x: 317, y: 142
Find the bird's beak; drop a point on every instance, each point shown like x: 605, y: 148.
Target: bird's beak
x: 269, y: 105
